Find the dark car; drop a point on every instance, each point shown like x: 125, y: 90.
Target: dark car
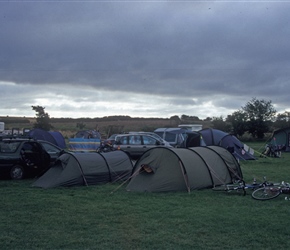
x: 135, y: 144
x: 23, y: 158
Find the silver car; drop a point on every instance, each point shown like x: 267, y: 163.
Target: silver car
x: 135, y: 144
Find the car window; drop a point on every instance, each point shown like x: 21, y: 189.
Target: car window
x: 135, y: 139
x: 50, y: 148
x: 147, y: 140
x: 156, y: 136
x: 31, y: 147
x: 170, y: 137
x: 9, y: 147
x: 123, y: 140
x: 160, y: 134
x: 112, y: 137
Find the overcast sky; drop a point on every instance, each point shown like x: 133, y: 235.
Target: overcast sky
x: 143, y: 58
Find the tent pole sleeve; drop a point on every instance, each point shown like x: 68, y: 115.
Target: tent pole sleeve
x: 185, y: 177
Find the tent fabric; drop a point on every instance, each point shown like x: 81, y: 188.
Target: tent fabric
x: 281, y: 139
x: 185, y: 138
x: 58, y: 137
x: 220, y: 138
x: 53, y: 137
x: 228, y: 159
x: 40, y: 134
x: 183, y: 169
x: 83, y: 145
x: 78, y: 169
x: 85, y: 141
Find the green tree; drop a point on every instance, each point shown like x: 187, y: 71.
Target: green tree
x: 42, y: 118
x: 174, y: 120
x: 283, y: 120
x: 259, y: 115
x: 238, y: 121
x: 220, y: 124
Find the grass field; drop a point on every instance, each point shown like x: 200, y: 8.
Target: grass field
x: 108, y: 217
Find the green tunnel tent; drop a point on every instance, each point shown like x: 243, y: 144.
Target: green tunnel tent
x: 281, y: 139
x: 79, y: 169
x: 183, y: 169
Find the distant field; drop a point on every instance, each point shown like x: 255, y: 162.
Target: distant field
x: 109, y: 217
x: 107, y: 126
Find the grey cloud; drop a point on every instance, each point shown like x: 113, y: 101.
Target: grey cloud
x: 166, y: 49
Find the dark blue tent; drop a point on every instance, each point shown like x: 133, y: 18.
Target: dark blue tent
x: 55, y: 137
x: 215, y: 137
x: 58, y: 138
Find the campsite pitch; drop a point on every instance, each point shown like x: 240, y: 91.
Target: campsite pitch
x: 96, y: 218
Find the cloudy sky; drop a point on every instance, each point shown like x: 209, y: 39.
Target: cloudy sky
x: 143, y: 58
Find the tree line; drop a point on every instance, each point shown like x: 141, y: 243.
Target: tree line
x: 257, y: 118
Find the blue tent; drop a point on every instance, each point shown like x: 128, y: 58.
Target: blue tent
x: 85, y: 141
x: 217, y: 137
x: 55, y: 137
x: 58, y: 138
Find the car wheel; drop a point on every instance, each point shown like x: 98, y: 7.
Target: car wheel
x: 17, y: 172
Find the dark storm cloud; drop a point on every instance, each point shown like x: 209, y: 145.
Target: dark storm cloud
x: 223, y: 52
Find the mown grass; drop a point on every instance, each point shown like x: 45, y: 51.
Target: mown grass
x: 108, y: 217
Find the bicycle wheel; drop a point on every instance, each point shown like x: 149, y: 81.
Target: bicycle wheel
x: 266, y: 193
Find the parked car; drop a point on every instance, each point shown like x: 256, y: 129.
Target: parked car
x: 180, y: 138
x: 175, y: 136
x: 157, y: 137
x: 22, y: 157
x: 135, y: 144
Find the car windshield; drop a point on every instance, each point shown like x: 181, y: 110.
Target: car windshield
x: 112, y: 137
x: 9, y: 147
x: 49, y: 148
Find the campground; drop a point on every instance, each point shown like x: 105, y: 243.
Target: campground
x: 108, y: 217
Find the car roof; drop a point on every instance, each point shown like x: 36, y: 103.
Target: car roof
x: 16, y: 139
x: 25, y: 139
x: 134, y: 134
x: 158, y: 138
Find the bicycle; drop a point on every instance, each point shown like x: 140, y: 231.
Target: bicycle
x: 105, y: 147
x: 240, y: 186
x: 272, y: 151
x: 271, y: 192
x: 237, y: 187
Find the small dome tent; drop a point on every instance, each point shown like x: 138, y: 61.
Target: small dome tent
x: 53, y: 137
x: 281, y: 139
x: 79, y: 169
x: 183, y: 169
x: 220, y: 138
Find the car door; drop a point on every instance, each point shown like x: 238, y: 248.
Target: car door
x: 35, y: 156
x: 135, y: 147
x: 52, y: 150
x: 149, y: 142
